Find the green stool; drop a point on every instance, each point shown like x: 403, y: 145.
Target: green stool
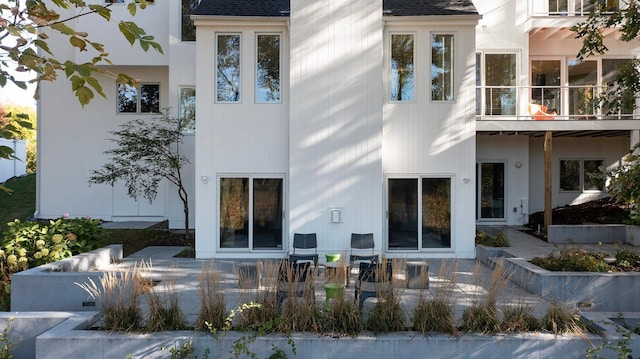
x: 332, y: 257
x: 333, y: 290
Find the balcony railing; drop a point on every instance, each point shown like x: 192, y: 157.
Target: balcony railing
x: 563, y: 102
x: 571, y: 7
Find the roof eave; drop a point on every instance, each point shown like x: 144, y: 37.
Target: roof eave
x: 235, y: 20
x: 471, y: 19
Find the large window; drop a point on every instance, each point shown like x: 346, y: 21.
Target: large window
x: 583, y: 78
x: 145, y: 99
x: 402, y: 76
x: 419, y: 213
x: 188, y: 29
x: 500, y: 81
x: 441, y: 67
x: 251, y: 213
x: 268, y: 68
x: 582, y: 175
x: 187, y: 108
x: 545, y: 81
x: 611, y: 71
x: 228, y: 68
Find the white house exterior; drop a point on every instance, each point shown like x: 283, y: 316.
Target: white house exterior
x: 405, y: 119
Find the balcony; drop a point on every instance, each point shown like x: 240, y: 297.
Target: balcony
x: 538, y: 8
x: 563, y: 103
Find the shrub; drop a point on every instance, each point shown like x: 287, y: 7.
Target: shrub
x: 164, y: 310
x: 627, y: 259
x: 29, y: 244
x: 499, y: 240
x: 573, y: 260
x: 387, y: 315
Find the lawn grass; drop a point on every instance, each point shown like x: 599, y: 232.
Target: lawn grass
x: 19, y: 204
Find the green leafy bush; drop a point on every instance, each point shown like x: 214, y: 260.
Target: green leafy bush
x: 499, y: 240
x: 627, y: 259
x: 30, y: 244
x: 573, y: 260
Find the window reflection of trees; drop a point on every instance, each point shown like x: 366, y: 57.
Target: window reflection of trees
x: 127, y: 98
x: 402, y: 67
x: 188, y: 109
x: 228, y: 64
x: 188, y: 27
x: 268, y: 67
x: 149, y: 98
x: 442, y: 67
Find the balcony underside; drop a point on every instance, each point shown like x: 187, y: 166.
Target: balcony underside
x: 587, y: 128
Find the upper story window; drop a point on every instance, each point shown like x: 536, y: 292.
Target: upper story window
x: 268, y: 68
x: 402, y: 67
x: 500, y: 82
x: 188, y: 29
x: 187, y: 108
x: 442, y: 67
x: 145, y: 99
x: 228, y: 68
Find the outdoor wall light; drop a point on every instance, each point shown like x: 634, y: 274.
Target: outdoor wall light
x: 518, y: 164
x: 204, y: 179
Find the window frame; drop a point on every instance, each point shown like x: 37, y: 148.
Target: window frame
x: 390, y: 64
x: 420, y: 191
x: 251, y: 210
x: 138, y: 88
x: 256, y: 89
x: 581, y: 175
x: 240, y: 56
x: 430, y: 63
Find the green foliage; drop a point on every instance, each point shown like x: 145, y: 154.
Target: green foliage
x: 27, y: 23
x: 29, y: 244
x: 387, y: 316
x: 20, y: 203
x: 627, y: 259
x: 145, y: 153
x: 627, y: 21
x: 624, y: 185
x: 573, y: 260
x: 499, y: 240
x: 6, y: 344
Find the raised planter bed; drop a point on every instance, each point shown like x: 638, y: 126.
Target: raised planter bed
x: 52, y: 287
x: 594, y: 234
x: 70, y: 340
x: 609, y: 292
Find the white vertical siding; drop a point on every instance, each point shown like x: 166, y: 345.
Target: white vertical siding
x: 336, y: 119
x: 243, y: 138
x: 436, y: 138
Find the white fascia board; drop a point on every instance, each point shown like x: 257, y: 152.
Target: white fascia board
x: 464, y: 20
x: 202, y: 20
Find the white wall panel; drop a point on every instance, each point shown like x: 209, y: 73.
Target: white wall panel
x: 609, y: 149
x: 336, y: 119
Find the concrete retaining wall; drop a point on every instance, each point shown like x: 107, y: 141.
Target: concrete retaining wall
x: 52, y: 287
x: 64, y: 341
x: 23, y: 328
x: 593, y: 233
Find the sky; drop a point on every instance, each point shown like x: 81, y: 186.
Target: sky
x: 13, y: 94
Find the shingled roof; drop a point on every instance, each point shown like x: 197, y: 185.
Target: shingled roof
x: 274, y: 8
